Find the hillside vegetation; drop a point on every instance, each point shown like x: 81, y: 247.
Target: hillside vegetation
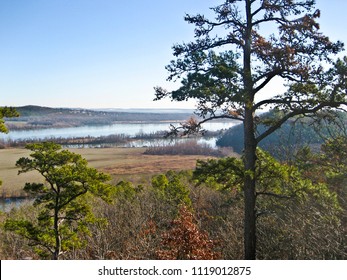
x: 292, y: 135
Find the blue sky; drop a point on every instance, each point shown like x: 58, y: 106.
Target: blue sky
x: 103, y: 53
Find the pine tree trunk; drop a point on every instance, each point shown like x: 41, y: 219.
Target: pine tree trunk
x: 57, y: 246
x: 249, y: 189
x: 249, y: 145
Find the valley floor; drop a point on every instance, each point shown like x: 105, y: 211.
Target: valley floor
x: 122, y: 163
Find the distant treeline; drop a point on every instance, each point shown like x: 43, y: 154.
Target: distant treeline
x: 36, y: 117
x: 116, y: 139
x: 293, y: 134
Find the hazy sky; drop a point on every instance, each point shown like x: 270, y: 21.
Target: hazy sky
x: 103, y: 53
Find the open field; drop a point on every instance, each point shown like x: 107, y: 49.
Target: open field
x: 122, y: 163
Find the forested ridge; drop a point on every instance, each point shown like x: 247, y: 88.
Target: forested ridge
x: 292, y: 135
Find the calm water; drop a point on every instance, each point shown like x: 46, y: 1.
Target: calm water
x: 96, y: 131
x: 6, y: 204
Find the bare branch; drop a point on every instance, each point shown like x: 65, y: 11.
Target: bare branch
x: 268, y: 77
x: 303, y: 111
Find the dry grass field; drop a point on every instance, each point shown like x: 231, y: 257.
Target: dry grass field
x: 122, y: 163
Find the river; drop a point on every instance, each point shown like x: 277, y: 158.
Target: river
x: 129, y: 129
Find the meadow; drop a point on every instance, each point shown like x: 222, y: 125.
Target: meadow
x: 121, y: 163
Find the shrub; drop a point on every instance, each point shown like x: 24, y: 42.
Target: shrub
x: 189, y: 147
x: 185, y: 241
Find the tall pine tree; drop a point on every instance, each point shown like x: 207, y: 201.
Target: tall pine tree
x: 234, y: 58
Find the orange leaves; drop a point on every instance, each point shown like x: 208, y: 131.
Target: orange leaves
x: 261, y: 44
x: 185, y: 241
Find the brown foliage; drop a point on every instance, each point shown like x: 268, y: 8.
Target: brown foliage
x: 184, y: 241
x: 186, y: 148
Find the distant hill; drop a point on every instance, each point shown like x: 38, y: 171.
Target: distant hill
x: 33, y: 117
x: 292, y: 135
x: 33, y: 110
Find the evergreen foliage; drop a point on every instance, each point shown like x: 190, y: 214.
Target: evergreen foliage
x: 63, y: 209
x: 230, y: 63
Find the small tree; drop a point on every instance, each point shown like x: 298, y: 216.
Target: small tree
x: 63, y: 209
x: 171, y: 189
x: 234, y: 59
x: 185, y: 241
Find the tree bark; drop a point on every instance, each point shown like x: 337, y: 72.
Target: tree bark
x: 250, y: 145
x: 249, y: 188
x: 56, y: 231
